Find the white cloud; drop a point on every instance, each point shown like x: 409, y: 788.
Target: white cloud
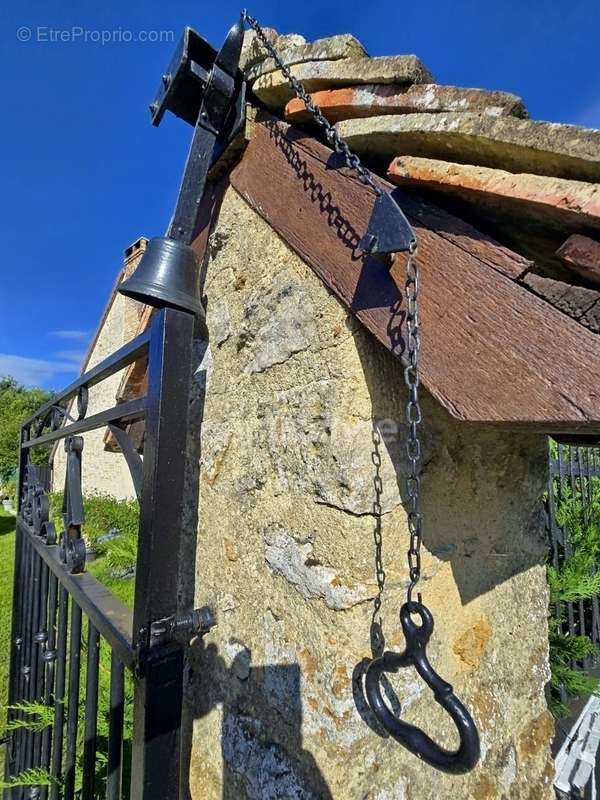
x: 76, y: 356
x: 589, y: 117
x: 73, y: 335
x: 36, y: 371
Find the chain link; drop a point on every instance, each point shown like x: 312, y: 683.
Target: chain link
x: 332, y: 136
x: 377, y: 639
x: 411, y: 371
x: 413, y: 418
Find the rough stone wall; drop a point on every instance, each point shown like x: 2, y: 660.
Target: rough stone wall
x: 299, y: 396
x: 103, y: 471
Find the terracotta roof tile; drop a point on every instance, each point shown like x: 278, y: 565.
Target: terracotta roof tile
x: 371, y: 100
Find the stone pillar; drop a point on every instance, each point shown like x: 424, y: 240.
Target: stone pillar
x: 301, y: 404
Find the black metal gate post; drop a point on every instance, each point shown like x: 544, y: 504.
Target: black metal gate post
x: 159, y: 689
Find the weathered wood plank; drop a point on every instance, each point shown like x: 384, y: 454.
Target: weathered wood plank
x: 492, y: 351
x: 575, y: 301
x: 582, y: 255
x: 446, y: 225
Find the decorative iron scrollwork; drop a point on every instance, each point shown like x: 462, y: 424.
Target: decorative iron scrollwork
x: 73, y: 552
x: 72, y: 545
x: 41, y: 510
x: 82, y: 402
x: 48, y: 533
x: 35, y: 507
x: 57, y: 416
x: 37, y: 427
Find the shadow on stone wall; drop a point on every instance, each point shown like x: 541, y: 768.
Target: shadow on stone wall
x: 260, y: 714
x: 487, y: 538
x: 479, y: 516
x: 260, y: 707
x: 481, y: 487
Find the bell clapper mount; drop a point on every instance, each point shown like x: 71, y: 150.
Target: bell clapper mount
x: 206, y: 89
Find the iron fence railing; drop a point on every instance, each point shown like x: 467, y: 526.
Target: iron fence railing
x: 62, y: 615
x: 574, y: 478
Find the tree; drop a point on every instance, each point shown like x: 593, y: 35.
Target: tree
x: 16, y: 404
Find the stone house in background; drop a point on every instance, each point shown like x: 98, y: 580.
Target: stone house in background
x: 104, y: 469
x: 303, y: 414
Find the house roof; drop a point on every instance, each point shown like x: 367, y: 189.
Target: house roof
x: 131, y: 257
x: 506, y: 211
x: 493, y: 351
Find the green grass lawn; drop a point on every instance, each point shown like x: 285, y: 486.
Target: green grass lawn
x: 103, y: 569
x: 7, y: 554
x: 123, y: 588
x: 7, y: 558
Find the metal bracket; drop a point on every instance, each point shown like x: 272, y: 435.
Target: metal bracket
x: 206, y: 88
x: 132, y: 457
x: 179, y: 629
x: 389, y: 231
x: 220, y: 103
x: 210, y: 94
x: 184, y: 81
x: 194, y: 66
x: 182, y: 628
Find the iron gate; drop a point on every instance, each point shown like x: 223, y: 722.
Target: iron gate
x: 574, y: 477
x: 55, y: 600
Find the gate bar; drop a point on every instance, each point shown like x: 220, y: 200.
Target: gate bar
x: 91, y: 714
x: 124, y: 412
x: 73, y: 708
x: 49, y: 674
x: 59, y: 693
x: 114, y: 775
x: 111, y: 617
x: 122, y: 357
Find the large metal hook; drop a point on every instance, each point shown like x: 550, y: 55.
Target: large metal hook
x: 414, y: 739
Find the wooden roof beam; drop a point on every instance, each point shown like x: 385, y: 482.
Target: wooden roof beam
x: 492, y: 352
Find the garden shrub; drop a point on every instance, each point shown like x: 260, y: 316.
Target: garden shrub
x: 110, y: 528
x: 577, y: 578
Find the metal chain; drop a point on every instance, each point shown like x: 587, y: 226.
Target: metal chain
x: 332, y: 136
x: 413, y: 418
x: 411, y: 371
x: 377, y: 638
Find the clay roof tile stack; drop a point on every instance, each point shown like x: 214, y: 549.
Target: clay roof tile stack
x: 534, y: 186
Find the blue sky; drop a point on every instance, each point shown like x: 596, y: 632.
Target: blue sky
x: 84, y: 173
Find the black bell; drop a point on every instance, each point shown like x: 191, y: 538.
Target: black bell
x: 167, y: 275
